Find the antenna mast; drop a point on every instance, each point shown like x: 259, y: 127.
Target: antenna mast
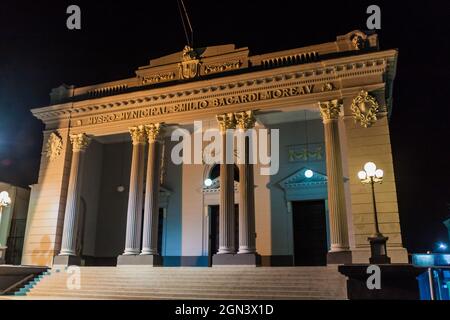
x: 186, y: 23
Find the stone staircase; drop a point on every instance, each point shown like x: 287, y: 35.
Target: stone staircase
x: 140, y: 282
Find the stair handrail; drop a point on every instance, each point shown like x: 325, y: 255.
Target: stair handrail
x: 18, y: 283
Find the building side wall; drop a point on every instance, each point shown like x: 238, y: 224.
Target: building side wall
x: 47, y: 205
x: 363, y: 145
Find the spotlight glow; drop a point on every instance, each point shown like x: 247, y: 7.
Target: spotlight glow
x: 362, y: 175
x: 370, y: 168
x: 309, y: 173
x: 208, y: 182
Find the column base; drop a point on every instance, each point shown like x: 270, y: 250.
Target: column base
x: 339, y: 257
x: 243, y: 259
x: 66, y: 261
x: 139, y: 260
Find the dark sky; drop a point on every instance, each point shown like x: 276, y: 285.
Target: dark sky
x: 38, y: 52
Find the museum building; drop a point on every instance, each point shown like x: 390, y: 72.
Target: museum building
x: 109, y: 193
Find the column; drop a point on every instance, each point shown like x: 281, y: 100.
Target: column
x: 134, y: 212
x: 339, y: 252
x: 226, y: 203
x: 246, y: 120
x: 151, y: 204
x: 80, y: 142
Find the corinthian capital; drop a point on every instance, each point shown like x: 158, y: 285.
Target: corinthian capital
x: 154, y: 131
x: 245, y: 119
x: 79, y: 142
x: 329, y: 110
x: 137, y: 134
x: 226, y: 121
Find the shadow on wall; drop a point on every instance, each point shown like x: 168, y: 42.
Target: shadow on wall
x: 43, y: 256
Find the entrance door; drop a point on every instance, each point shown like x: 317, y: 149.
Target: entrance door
x: 214, y: 230
x: 310, y: 235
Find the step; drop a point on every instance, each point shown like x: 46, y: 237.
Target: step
x: 53, y: 282
x: 112, y: 284
x: 143, y: 282
x: 194, y: 287
x: 254, y: 291
x: 217, y: 271
x: 203, y: 296
x: 199, y: 276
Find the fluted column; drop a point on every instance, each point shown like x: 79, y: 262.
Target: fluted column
x: 134, y: 213
x: 246, y: 120
x: 151, y: 204
x: 336, y: 198
x: 226, y: 208
x: 80, y: 142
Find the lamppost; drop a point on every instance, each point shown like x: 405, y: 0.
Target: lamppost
x: 5, y: 201
x: 371, y: 175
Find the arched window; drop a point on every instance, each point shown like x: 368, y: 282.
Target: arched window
x: 215, y: 172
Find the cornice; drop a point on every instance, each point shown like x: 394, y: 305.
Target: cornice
x: 323, y: 71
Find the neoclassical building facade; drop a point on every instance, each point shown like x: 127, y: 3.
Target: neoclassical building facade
x: 110, y: 193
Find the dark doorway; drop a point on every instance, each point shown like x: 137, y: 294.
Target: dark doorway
x: 310, y: 233
x: 214, y: 230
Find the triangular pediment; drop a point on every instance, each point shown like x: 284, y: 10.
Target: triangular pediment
x: 300, y: 179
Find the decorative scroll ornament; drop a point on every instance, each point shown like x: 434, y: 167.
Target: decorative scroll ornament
x: 138, y: 134
x: 329, y: 110
x: 54, y: 146
x: 245, y: 119
x: 359, y: 40
x: 189, y: 67
x: 364, y: 109
x: 313, y: 152
x: 79, y: 142
x: 226, y: 121
x: 153, y: 131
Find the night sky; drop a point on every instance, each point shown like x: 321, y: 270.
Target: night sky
x: 38, y: 52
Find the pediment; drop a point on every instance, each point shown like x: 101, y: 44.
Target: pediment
x: 164, y: 191
x: 298, y: 179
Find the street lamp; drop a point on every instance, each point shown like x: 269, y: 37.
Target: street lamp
x: 371, y: 175
x: 5, y: 201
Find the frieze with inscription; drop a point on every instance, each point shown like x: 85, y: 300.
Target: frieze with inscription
x: 203, y: 104
x: 158, y: 78
x: 232, y: 65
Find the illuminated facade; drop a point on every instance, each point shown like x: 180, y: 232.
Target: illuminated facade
x: 108, y: 190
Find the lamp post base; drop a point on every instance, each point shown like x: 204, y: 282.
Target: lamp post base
x: 378, y: 250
